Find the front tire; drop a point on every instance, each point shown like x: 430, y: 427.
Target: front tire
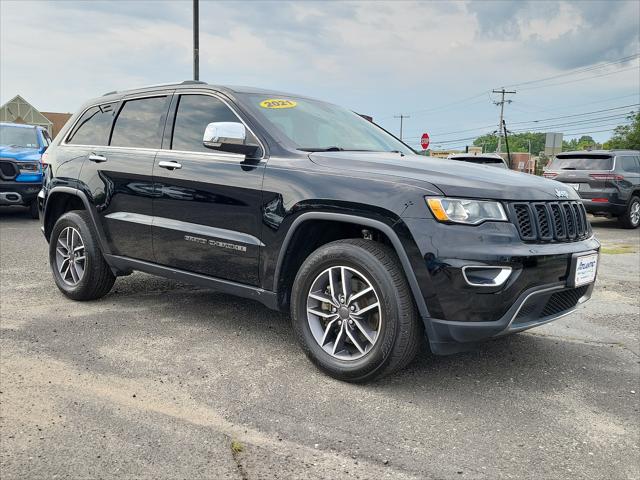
x: 352, y: 311
x: 631, y: 218
x: 76, y: 261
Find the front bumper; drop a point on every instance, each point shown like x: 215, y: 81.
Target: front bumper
x: 18, y: 193
x: 537, y: 290
x: 533, y: 308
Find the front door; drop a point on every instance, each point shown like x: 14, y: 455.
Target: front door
x: 207, y: 215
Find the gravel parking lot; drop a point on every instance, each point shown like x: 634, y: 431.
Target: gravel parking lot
x: 164, y: 380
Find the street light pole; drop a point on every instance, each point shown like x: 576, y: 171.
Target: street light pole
x: 196, y: 40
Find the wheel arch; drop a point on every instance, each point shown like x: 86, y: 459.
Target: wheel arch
x: 283, y: 266
x: 61, y: 200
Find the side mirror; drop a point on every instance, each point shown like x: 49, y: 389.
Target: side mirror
x: 42, y: 149
x: 228, y: 137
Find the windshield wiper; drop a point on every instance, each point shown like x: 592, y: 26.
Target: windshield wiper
x: 323, y: 149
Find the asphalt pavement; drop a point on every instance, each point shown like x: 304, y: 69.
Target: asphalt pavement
x: 164, y: 380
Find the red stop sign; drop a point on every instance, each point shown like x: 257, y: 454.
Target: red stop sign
x: 424, y: 141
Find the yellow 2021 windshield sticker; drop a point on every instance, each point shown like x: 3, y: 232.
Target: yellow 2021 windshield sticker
x: 278, y: 103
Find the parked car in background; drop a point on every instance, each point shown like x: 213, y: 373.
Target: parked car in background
x: 608, y: 181
x: 490, y: 159
x: 21, y: 149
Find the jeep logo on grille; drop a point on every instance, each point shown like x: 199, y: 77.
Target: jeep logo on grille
x: 562, y: 193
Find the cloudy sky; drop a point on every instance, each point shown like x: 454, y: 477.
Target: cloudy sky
x: 436, y: 62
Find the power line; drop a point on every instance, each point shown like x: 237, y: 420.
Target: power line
x: 541, y: 80
x: 579, y: 70
x: 581, y: 104
x: 577, y: 114
x: 581, y: 79
x: 541, y: 120
x: 444, y: 106
x: 562, y: 125
x: 575, y: 134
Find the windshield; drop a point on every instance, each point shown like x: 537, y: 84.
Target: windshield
x: 584, y: 162
x: 18, y: 136
x: 314, y: 126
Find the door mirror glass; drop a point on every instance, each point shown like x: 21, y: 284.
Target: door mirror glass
x: 228, y: 137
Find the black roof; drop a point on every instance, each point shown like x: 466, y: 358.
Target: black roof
x: 195, y: 83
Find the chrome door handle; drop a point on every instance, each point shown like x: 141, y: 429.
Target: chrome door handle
x: 97, y: 158
x: 171, y: 165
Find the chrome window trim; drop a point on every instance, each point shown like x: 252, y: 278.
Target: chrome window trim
x: 215, y: 94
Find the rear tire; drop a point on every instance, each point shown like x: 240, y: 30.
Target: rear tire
x: 377, y: 342
x: 631, y: 218
x: 33, y: 210
x: 76, y: 261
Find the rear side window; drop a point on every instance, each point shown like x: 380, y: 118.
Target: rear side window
x: 93, y: 127
x: 585, y: 162
x: 194, y: 113
x: 630, y: 164
x: 140, y: 123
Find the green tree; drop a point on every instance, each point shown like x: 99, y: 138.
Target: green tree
x: 583, y: 143
x: 626, y: 136
x: 518, y: 142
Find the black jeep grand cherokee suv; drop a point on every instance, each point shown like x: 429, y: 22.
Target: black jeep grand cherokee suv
x: 306, y: 206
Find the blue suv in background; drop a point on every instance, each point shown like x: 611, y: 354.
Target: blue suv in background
x: 21, y: 149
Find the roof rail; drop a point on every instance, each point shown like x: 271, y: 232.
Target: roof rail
x: 184, y: 82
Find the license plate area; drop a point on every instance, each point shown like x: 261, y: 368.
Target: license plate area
x: 584, y: 268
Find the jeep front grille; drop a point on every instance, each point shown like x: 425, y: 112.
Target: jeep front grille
x: 550, y: 221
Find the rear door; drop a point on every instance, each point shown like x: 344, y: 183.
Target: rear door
x: 208, y: 210
x: 120, y: 175
x: 628, y: 168
x: 586, y: 173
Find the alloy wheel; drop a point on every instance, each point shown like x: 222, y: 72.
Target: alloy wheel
x: 634, y: 214
x: 70, y: 256
x: 344, y: 313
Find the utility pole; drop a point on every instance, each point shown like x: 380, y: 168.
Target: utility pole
x: 196, y: 40
x: 506, y: 140
x: 500, y: 123
x: 401, y: 117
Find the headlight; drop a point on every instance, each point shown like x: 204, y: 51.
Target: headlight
x: 462, y: 210
x: 27, y: 167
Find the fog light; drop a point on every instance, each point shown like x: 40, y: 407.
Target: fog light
x: 485, y: 276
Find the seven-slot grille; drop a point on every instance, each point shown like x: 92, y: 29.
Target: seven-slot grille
x: 550, y: 221
x: 8, y: 169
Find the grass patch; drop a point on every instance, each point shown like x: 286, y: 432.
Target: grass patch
x: 618, y: 249
x: 236, y: 446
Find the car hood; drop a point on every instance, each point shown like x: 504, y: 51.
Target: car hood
x: 453, y: 178
x: 20, y: 154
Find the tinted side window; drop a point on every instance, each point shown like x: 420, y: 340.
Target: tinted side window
x: 194, y: 113
x: 630, y: 164
x: 140, y: 123
x: 93, y: 127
